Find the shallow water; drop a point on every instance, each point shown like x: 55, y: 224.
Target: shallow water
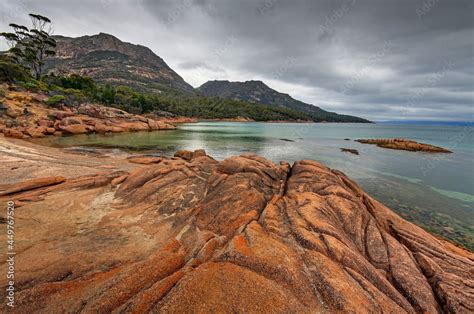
x: 433, y: 190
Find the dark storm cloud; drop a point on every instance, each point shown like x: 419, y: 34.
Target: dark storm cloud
x: 380, y: 59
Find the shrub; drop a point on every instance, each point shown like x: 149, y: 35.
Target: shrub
x: 75, y: 81
x: 74, y: 97
x: 11, y: 72
x: 55, y: 100
x: 29, y: 85
x: 34, y: 85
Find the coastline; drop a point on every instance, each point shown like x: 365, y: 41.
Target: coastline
x: 128, y: 211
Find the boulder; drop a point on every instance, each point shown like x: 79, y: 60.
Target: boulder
x: 12, y: 113
x: 90, y: 110
x: 71, y: 121
x: 74, y: 128
x: 165, y: 126
x: 45, y: 122
x: 127, y: 126
x: 116, y: 129
x: 12, y: 132
x: 184, y: 154
x: 61, y: 114
x: 36, y: 132
x: 199, y: 153
x: 142, y: 119
x: 145, y: 160
x: 100, y: 127
x: 153, y: 125
x: 160, y: 125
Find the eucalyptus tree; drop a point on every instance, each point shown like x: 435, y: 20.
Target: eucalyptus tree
x: 31, y: 46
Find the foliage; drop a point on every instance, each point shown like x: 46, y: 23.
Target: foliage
x: 126, y: 98
x: 31, y: 46
x: 34, y: 85
x: 55, y: 100
x: 11, y: 72
x: 74, y: 81
x: 75, y: 90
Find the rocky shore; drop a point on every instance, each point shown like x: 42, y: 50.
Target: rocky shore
x: 109, y: 233
x: 27, y: 115
x: 404, y: 144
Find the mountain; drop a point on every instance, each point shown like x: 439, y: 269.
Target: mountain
x: 258, y: 92
x: 107, y: 59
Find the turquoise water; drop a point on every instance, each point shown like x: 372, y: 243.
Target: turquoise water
x: 433, y: 190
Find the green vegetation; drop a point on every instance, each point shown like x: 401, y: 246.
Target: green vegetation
x: 31, y: 46
x: 75, y: 90
x: 12, y: 72
x: 55, y: 100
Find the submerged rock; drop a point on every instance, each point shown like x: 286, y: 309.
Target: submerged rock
x: 192, y: 234
x: 350, y: 150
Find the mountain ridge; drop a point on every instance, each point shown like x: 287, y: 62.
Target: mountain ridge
x: 258, y: 92
x: 107, y: 59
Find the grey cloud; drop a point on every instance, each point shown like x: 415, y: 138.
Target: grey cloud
x: 329, y: 53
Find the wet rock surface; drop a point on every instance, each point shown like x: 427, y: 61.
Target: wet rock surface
x: 192, y: 234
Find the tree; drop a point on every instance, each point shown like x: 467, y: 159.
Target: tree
x: 31, y: 46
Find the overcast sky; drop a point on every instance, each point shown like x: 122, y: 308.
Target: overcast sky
x: 378, y: 59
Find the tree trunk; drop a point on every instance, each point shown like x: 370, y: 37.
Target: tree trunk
x: 38, y: 73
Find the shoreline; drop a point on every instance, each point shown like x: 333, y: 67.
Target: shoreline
x: 72, y: 163
x: 48, y: 160
x: 199, y: 222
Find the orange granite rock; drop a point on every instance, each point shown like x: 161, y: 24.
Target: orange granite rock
x: 31, y: 185
x: 39, y: 119
x: 196, y: 235
x: 404, y: 144
x: 145, y: 160
x: 12, y: 132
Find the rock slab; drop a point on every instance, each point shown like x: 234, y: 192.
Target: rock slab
x: 404, y: 144
x: 192, y: 234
